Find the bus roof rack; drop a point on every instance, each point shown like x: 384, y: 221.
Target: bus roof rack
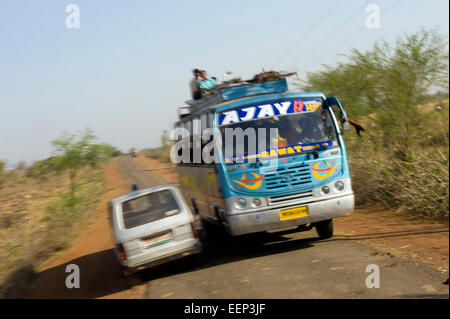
x: 262, y: 83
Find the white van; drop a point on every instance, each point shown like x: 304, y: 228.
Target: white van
x: 152, y: 226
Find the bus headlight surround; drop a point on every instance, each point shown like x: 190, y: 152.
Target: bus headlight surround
x: 325, y: 190
x: 339, y: 185
x: 240, y: 203
x: 256, y: 202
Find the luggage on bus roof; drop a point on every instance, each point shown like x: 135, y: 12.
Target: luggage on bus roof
x: 262, y: 83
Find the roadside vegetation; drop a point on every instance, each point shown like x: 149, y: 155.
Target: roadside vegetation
x: 2, y: 168
x: 402, y: 158
x: 161, y: 153
x: 44, y: 206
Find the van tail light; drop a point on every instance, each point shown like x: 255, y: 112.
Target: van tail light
x: 194, y: 231
x: 122, y: 253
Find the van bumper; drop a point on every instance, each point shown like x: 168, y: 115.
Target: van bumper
x: 131, y: 267
x: 245, y: 223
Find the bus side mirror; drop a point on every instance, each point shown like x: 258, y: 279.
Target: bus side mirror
x: 344, y: 122
x: 332, y: 100
x: 346, y: 126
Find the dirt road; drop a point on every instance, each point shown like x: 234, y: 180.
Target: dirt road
x: 100, y: 274
x: 272, y: 265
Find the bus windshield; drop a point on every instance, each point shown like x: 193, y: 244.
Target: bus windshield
x: 293, y: 130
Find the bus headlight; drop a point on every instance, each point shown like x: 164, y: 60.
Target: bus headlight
x: 240, y: 203
x: 325, y: 190
x: 256, y: 202
x: 339, y: 185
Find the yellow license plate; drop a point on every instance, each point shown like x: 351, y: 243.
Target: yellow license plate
x: 294, y: 212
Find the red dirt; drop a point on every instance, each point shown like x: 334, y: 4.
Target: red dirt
x: 91, y: 251
x: 421, y: 239
x: 166, y: 170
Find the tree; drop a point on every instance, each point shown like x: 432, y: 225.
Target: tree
x: 165, y: 140
x: 41, y: 169
x: 73, y: 154
x: 21, y: 166
x: 97, y: 153
x: 389, y: 82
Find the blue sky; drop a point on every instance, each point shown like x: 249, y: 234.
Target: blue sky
x: 126, y: 70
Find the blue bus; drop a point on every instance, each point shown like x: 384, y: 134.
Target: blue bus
x: 299, y: 177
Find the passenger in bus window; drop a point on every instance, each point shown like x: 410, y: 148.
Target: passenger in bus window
x: 311, y: 131
x: 288, y: 135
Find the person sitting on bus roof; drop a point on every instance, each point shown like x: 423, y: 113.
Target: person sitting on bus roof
x: 195, y: 88
x: 205, y: 82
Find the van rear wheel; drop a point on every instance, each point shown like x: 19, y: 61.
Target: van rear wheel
x: 195, y: 260
x: 325, y: 229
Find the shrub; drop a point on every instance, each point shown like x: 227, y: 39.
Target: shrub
x: 402, y: 159
x: 2, y: 168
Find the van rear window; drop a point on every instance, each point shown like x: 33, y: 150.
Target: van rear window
x: 148, y: 208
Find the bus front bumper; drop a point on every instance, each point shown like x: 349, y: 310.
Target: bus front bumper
x: 269, y: 219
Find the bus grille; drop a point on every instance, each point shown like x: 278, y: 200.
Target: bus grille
x: 287, y: 177
x: 294, y: 197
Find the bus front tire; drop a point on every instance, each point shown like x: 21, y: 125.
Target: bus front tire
x: 325, y: 229
x: 208, y: 231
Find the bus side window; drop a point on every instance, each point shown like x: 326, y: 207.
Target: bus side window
x: 204, y: 121
x: 196, y: 139
x: 188, y: 126
x: 180, y: 125
x: 208, y: 119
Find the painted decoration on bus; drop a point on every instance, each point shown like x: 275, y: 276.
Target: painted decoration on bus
x: 266, y: 110
x: 324, y: 169
x: 250, y: 183
x: 282, y: 151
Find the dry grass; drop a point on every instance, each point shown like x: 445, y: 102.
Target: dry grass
x: 420, y: 184
x: 37, y: 219
x: 160, y: 153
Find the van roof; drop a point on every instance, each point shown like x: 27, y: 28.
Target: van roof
x: 141, y: 192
